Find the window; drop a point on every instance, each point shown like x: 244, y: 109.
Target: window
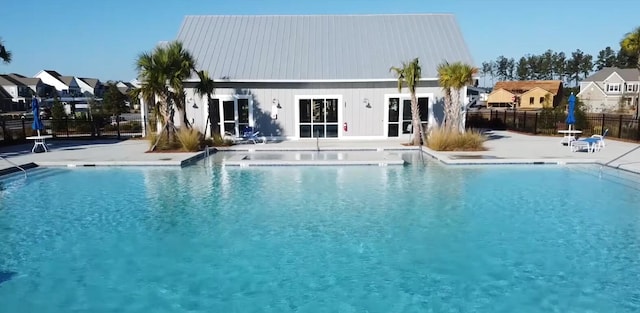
x: 531, y: 100
x: 632, y: 87
x: 613, y: 87
x: 541, y: 100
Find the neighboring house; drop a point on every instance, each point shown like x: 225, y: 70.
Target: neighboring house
x: 611, y: 89
x: 90, y: 87
x: 6, y: 103
x: 324, y: 76
x: 66, y: 86
x: 526, y: 94
x: 20, y: 89
x: 501, y: 98
x: 125, y: 87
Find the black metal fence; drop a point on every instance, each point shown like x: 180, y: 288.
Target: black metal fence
x: 16, y: 130
x: 549, y: 122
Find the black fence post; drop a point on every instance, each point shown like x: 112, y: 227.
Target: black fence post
x: 66, y: 124
x: 118, y: 126
x: 4, y: 130
x: 620, y: 126
x: 24, y: 130
x: 535, y: 124
x: 524, y: 124
x: 602, y: 124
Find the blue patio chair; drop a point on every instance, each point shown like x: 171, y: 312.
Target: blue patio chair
x: 250, y: 135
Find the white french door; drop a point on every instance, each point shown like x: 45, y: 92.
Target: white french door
x: 235, y: 113
x: 398, y: 114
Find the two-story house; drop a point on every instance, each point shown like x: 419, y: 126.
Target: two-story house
x: 611, y: 89
x: 67, y: 86
x: 90, y: 87
x: 20, y: 89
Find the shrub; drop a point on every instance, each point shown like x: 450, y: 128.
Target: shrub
x: 219, y: 141
x: 445, y: 140
x: 190, y: 139
x: 163, y: 143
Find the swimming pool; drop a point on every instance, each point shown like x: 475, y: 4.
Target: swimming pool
x: 320, y: 239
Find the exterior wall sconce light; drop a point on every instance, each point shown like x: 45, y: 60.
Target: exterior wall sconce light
x: 276, y: 103
x: 367, y: 104
x: 195, y: 105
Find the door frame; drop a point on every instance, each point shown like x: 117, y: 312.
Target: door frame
x: 296, y: 113
x: 401, y: 96
x: 234, y: 98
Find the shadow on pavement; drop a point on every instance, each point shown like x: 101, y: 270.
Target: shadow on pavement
x: 54, y: 145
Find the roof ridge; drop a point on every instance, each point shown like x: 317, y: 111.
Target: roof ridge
x: 320, y: 15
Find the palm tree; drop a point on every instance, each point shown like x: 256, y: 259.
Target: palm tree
x: 5, y: 55
x: 206, y: 87
x: 453, y: 77
x: 162, y: 73
x: 445, y: 81
x: 630, y: 44
x: 409, y: 75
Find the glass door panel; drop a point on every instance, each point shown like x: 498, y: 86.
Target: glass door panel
x: 318, y: 110
x: 393, y: 117
x: 229, y: 117
x: 423, y: 108
x: 406, y: 116
x: 243, y: 114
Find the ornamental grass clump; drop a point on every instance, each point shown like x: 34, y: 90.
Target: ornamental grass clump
x: 190, y: 139
x: 163, y: 143
x: 442, y: 139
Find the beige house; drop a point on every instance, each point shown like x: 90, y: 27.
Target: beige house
x: 536, y: 98
x: 529, y: 94
x: 611, y: 90
x: 500, y: 98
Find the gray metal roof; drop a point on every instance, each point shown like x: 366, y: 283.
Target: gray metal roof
x: 628, y: 74
x: 320, y: 47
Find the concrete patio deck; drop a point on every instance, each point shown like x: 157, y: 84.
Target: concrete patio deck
x: 503, y: 147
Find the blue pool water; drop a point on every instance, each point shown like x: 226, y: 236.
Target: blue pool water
x: 320, y: 239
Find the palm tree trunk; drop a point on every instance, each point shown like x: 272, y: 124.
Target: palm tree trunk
x: 455, y: 110
x: 447, y: 108
x: 415, y: 116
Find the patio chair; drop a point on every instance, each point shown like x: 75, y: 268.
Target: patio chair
x: 592, y: 144
x: 248, y: 135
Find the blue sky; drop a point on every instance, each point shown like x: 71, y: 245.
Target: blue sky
x: 102, y: 38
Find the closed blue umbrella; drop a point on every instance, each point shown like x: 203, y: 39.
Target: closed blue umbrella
x: 37, y: 123
x: 571, y: 118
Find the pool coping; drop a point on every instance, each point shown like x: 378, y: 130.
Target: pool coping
x: 443, y: 158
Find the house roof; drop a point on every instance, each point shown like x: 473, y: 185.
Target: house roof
x: 63, y: 79
x: 500, y: 90
x: 553, y: 86
x: 92, y: 82
x: 4, y: 94
x: 536, y: 88
x: 321, y: 47
x: 66, y: 79
x: 6, y: 80
x: 628, y: 74
x: 24, y: 80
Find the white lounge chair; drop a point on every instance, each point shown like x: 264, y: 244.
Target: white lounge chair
x: 592, y: 144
